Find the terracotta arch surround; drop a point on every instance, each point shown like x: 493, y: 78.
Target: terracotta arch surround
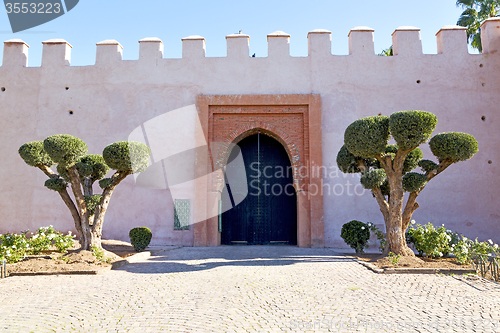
x: 294, y: 121
x: 260, y: 127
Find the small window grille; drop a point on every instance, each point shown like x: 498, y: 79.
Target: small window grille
x: 182, y: 212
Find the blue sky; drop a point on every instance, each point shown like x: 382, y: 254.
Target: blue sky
x: 128, y: 21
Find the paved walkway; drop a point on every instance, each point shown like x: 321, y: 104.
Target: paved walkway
x: 248, y: 289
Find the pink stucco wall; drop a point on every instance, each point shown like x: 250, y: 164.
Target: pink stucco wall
x: 113, y: 97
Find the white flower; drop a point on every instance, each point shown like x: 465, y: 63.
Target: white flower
x: 440, y: 254
x: 490, y: 241
x: 35, y: 237
x: 362, y: 228
x: 13, y: 246
x: 412, y: 221
x: 442, y: 225
x: 495, y: 246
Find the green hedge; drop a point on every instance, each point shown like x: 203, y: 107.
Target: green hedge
x: 140, y: 237
x: 373, y: 178
x: 356, y: 234
x: 411, y: 128
x: 55, y: 184
x: 346, y: 161
x: 91, y: 201
x: 33, y: 154
x: 427, y: 165
x: 455, y: 146
x: 98, y: 166
x: 127, y: 156
x: 367, y: 137
x: 413, y: 181
x: 65, y: 149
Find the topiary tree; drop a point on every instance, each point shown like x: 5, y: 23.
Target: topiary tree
x: 386, y: 169
x: 81, y: 171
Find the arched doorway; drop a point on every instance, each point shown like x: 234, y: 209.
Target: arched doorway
x: 268, y: 213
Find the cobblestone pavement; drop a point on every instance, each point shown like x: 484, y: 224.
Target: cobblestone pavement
x: 248, y: 289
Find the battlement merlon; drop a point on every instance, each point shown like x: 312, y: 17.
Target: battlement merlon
x: 361, y: 41
x: 451, y: 41
x: 56, y: 53
x: 278, y: 44
x: 319, y: 43
x: 15, y: 53
x: 490, y: 35
x: 193, y: 47
x: 238, y: 45
x: 108, y: 52
x: 150, y: 50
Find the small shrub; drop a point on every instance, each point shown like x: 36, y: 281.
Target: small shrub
x: 13, y: 247
x: 45, y: 237
x: 394, y: 258
x: 140, y: 238
x: 431, y: 241
x: 356, y: 235
x: 99, y: 254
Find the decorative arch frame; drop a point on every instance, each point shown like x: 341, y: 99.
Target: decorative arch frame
x: 252, y: 128
x: 294, y: 121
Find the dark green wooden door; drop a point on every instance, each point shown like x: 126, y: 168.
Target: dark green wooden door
x: 268, y: 213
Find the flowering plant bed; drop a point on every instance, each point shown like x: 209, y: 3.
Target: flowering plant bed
x: 75, y: 261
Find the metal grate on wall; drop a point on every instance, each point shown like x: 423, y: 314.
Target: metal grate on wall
x: 182, y: 212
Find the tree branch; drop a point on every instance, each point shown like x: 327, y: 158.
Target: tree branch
x: 384, y: 206
x: 106, y: 196
x: 67, y: 200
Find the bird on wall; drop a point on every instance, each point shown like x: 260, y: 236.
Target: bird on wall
x: 253, y: 55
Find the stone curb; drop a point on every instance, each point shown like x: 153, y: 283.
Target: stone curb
x: 415, y: 270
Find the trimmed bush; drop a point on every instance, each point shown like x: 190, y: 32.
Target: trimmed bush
x: 127, y: 156
x: 91, y: 201
x: 140, y: 238
x: 427, y: 165
x: 373, y: 179
x: 97, y: 164
x: 411, y: 128
x: 33, y: 154
x: 356, y: 235
x: 412, y: 159
x: 84, y: 170
x: 346, y: 161
x: 103, y: 183
x: 455, y: 146
x: 55, y: 184
x: 367, y: 137
x: 414, y: 181
x: 65, y: 149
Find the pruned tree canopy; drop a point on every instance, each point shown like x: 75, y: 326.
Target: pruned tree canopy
x: 65, y: 149
x: 367, y: 137
x: 412, y: 128
x: 127, y: 156
x: 81, y: 171
x: 33, y: 154
x: 387, y: 169
x: 454, y: 146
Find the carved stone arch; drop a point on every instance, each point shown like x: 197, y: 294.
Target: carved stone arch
x: 248, y: 129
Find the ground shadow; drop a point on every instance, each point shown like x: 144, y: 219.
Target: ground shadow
x: 189, y: 259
